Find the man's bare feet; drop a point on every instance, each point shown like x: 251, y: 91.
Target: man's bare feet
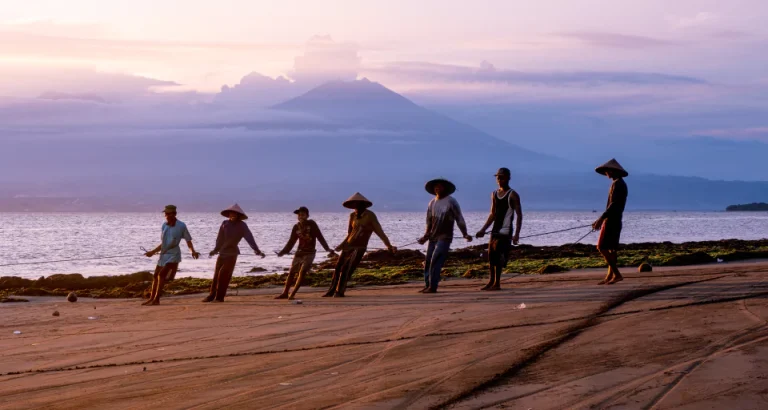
x: 615, y: 280
x: 602, y: 282
x: 338, y: 295
x: 328, y: 295
x: 207, y: 299
x: 154, y: 303
x: 486, y: 287
x: 217, y: 301
x: 290, y: 297
x: 425, y: 289
x: 147, y: 303
x: 494, y: 287
x: 429, y: 291
x: 283, y: 296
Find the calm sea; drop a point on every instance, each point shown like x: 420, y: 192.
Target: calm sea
x: 54, y: 236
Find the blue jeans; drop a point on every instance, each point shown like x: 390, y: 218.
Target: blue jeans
x: 437, y: 253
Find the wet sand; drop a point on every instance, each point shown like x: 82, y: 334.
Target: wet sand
x: 688, y: 338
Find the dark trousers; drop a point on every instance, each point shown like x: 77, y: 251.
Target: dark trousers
x: 345, y: 267
x: 225, y: 266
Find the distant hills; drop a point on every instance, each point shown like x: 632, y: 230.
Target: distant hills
x: 316, y: 150
x: 755, y: 206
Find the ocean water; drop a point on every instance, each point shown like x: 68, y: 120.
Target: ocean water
x: 31, y: 237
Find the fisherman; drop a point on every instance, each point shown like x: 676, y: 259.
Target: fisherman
x: 609, y: 223
x: 307, y: 233
x: 442, y: 212
x: 232, y: 230
x: 505, y: 205
x: 362, y: 223
x: 172, y: 232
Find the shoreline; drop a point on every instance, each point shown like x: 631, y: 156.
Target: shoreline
x: 381, y: 268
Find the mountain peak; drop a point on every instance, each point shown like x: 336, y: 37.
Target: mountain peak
x: 349, y: 97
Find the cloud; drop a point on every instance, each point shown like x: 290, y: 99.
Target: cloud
x: 737, y: 133
x: 259, y: 90
x: 325, y: 60
x: 699, y: 19
x: 34, y: 81
x: 615, y: 40
x: 410, y: 72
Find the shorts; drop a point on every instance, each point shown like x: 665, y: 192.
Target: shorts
x: 610, y: 234
x: 168, y: 271
x: 302, y: 262
x: 498, y: 250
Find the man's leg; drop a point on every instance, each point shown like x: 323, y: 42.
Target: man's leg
x: 295, y: 266
x: 491, y: 264
x: 337, y: 272
x: 304, y: 268
x: 214, y: 283
x: 160, y: 279
x: 227, y: 268
x: 348, y: 270
x: 607, y: 256
x: 438, y: 260
x: 503, y: 246
x: 614, y: 266
x: 152, y: 288
x: 428, y: 264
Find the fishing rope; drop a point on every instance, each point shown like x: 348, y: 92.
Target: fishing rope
x: 70, y: 260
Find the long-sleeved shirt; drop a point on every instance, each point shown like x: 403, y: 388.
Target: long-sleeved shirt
x: 441, y: 215
x: 307, y: 234
x: 230, y: 234
x: 617, y: 200
x: 360, y: 228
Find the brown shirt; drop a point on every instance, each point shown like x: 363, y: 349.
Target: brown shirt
x: 307, y: 234
x: 360, y: 228
x: 617, y: 200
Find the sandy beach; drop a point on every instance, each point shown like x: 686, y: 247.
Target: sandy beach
x: 683, y: 338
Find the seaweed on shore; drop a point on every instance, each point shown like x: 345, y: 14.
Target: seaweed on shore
x: 384, y: 268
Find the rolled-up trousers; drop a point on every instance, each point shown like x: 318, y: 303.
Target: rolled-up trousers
x: 225, y: 266
x: 345, y: 267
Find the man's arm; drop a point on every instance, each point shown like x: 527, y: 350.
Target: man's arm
x: 320, y: 237
x: 428, y: 229
x: 459, y: 218
x: 188, y: 238
x: 291, y: 241
x: 617, y: 195
x: 349, y: 232
x: 219, y: 240
x: 519, y: 216
x: 490, y: 219
x: 153, y: 252
x: 248, y: 236
x: 380, y: 232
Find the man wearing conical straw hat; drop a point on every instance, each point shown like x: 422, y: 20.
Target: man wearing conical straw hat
x: 362, y: 223
x: 231, y: 232
x: 443, y: 212
x: 609, y: 223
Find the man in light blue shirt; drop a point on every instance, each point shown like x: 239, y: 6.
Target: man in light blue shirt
x: 173, y: 232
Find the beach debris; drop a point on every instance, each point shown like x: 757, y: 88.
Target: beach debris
x: 56, y: 313
x: 145, y: 369
x: 93, y: 317
x: 17, y: 332
x: 719, y: 260
x: 12, y: 300
x: 72, y: 297
x: 645, y: 267
x: 521, y: 306
x: 286, y: 384
x: 298, y: 302
x: 279, y: 317
x: 552, y: 269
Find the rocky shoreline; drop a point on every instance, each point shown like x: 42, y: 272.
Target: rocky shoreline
x: 382, y: 268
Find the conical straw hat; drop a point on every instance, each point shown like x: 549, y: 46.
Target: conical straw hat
x: 614, y: 165
x: 235, y: 208
x: 357, y: 197
x: 450, y: 188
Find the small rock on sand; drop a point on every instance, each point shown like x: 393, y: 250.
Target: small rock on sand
x: 645, y: 267
x: 72, y: 297
x: 56, y: 313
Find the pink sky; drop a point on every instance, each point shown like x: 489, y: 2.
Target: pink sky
x: 203, y: 45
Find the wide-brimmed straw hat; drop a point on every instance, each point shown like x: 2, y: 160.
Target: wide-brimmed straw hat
x: 612, y: 165
x: 169, y: 209
x: 357, y: 198
x: 448, y: 185
x: 234, y: 208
